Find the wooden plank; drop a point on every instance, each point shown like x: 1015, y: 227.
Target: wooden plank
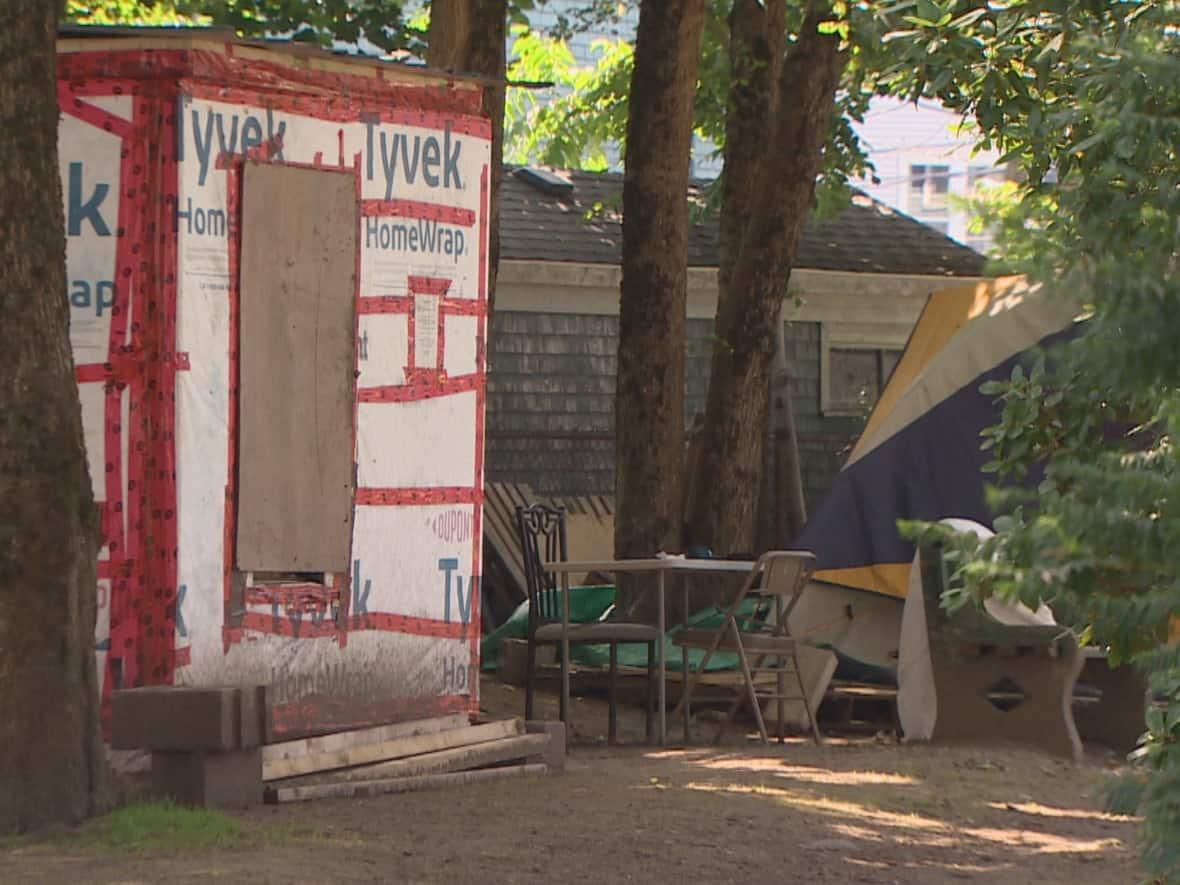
x: 519, y: 747
x: 297, y: 386
x: 342, y: 740
x: 395, y: 749
x: 356, y: 790
x: 501, y: 531
x: 521, y: 494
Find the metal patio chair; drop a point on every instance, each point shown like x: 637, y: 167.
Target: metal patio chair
x: 542, y: 537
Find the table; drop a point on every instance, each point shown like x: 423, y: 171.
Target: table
x: 661, y: 566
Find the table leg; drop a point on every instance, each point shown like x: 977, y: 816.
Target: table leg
x: 684, y: 664
x: 565, y: 656
x: 663, y: 669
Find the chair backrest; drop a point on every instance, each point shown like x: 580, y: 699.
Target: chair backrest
x: 783, y: 574
x: 542, y: 539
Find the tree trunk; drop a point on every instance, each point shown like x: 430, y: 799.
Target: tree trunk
x: 649, y: 393
x: 788, y: 505
x: 756, y: 44
x: 469, y: 36
x: 51, y: 754
x: 775, y: 206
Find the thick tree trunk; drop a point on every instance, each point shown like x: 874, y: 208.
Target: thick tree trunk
x: 788, y: 508
x: 649, y: 393
x: 51, y: 755
x: 723, y: 512
x: 757, y: 38
x: 468, y: 36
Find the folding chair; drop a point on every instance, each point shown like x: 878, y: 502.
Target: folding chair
x: 756, y: 628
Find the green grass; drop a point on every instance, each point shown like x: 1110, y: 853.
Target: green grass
x: 161, y: 826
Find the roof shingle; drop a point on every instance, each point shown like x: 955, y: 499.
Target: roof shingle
x: 585, y: 227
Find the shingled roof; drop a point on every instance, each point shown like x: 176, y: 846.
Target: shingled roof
x: 583, y: 224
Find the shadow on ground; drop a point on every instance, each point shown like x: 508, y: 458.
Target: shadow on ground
x: 851, y: 810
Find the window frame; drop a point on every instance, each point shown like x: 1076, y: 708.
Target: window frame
x: 922, y: 191
x: 854, y: 336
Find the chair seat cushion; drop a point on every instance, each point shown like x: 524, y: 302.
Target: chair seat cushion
x: 606, y: 631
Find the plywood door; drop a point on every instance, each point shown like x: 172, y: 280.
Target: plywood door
x: 297, y: 365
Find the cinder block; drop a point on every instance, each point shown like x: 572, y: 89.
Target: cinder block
x: 253, y: 716
x: 512, y: 660
x: 554, y: 756
x: 168, y: 717
x: 202, y: 778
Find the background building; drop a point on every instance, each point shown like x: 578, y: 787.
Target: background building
x: 924, y: 157
x: 926, y: 165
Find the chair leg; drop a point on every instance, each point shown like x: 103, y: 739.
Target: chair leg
x: 811, y: 714
x: 612, y: 730
x: 530, y: 666
x: 780, y: 689
x: 752, y: 691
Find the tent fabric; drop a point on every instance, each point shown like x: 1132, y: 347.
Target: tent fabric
x: 919, y: 456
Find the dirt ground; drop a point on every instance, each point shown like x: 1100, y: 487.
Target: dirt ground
x: 852, y: 810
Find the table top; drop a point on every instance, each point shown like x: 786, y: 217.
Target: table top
x: 652, y: 564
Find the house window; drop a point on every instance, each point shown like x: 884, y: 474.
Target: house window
x: 854, y: 377
x: 296, y: 398
x: 977, y: 175
x: 929, y: 186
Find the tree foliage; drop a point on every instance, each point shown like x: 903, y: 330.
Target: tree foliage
x: 1085, y: 97
x: 575, y: 122
x: 583, y: 124
x: 382, y: 24
x: 127, y: 12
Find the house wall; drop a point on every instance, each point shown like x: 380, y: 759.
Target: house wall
x: 153, y: 187
x: 897, y: 136
x: 551, y: 391
x: 552, y: 367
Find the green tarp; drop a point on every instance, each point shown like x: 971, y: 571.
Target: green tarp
x: 593, y: 604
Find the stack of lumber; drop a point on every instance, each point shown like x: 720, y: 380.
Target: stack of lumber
x: 427, y: 754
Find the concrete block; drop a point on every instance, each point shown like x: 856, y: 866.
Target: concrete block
x: 167, y: 717
x: 254, y: 717
x: 554, y: 756
x: 512, y: 660
x: 203, y: 778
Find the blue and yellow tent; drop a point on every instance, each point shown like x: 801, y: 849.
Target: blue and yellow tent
x: 919, y: 456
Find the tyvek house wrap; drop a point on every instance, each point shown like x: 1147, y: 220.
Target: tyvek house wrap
x: 157, y: 141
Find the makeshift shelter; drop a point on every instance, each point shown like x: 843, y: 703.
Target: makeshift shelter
x: 277, y: 260
x: 919, y: 457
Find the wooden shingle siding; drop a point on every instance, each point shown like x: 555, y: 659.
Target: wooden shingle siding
x: 551, y: 389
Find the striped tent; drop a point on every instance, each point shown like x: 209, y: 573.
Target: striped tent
x: 919, y: 456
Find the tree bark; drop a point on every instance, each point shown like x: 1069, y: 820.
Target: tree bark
x: 757, y: 35
x: 469, y: 36
x: 52, y: 765
x: 788, y: 507
x: 770, y: 212
x: 649, y: 393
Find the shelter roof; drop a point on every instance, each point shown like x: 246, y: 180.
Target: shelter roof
x: 87, y: 38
